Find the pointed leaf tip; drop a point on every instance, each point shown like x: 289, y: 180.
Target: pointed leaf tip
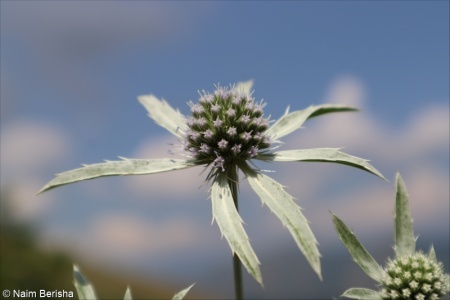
x: 282, y: 205
x: 245, y: 86
x: 84, y: 289
x: 331, y: 155
x: 357, y: 250
x: 432, y: 253
x: 290, y: 122
x: 362, y: 293
x: 117, y: 168
x: 405, y: 241
x: 163, y: 114
x: 128, y: 295
x: 180, y: 295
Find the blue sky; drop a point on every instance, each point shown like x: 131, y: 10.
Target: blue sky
x: 71, y: 72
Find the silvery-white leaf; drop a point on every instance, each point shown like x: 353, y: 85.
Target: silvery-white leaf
x: 84, y: 289
x: 230, y: 225
x: 332, y: 155
x: 358, y: 252
x: 405, y: 242
x: 114, y: 168
x: 282, y: 205
x: 362, y: 293
x: 244, y: 86
x: 292, y: 121
x: 128, y: 295
x: 163, y: 114
x: 432, y: 253
x: 180, y: 295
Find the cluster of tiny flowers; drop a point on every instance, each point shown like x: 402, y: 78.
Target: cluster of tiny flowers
x: 225, y: 126
x: 414, y: 277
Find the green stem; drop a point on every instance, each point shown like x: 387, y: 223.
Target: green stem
x: 233, y: 179
x: 238, y: 287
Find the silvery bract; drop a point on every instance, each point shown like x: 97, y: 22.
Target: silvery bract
x: 84, y: 288
x: 411, y: 275
x: 86, y: 291
x: 226, y: 132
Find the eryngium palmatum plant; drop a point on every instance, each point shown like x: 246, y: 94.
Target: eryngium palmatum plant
x: 86, y: 291
x: 226, y: 131
x: 411, y: 275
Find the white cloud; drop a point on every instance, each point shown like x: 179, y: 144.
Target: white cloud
x: 429, y: 195
x: 130, y: 240
x: 428, y: 130
x: 29, y: 145
x: 347, y: 90
x: 23, y: 203
x: 27, y: 148
x: 132, y: 235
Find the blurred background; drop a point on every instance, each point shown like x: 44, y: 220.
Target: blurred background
x: 70, y: 75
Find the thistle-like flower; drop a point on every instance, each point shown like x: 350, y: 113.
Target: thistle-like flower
x: 226, y: 131
x: 411, y: 275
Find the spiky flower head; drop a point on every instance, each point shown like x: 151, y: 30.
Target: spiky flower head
x: 226, y: 127
x: 415, y: 276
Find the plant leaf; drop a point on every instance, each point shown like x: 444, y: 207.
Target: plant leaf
x: 84, y: 289
x: 163, y: 114
x: 432, y: 253
x: 128, y: 295
x: 114, y: 168
x: 290, y: 122
x: 358, y: 252
x: 405, y: 242
x: 332, y: 155
x: 244, y: 86
x: 230, y: 225
x: 282, y: 205
x: 180, y: 295
x: 361, y: 293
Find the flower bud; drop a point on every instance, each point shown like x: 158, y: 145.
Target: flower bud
x: 414, y: 277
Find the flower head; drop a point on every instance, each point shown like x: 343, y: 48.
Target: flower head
x: 227, y: 131
x: 428, y: 280
x: 229, y: 125
x: 411, y: 275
